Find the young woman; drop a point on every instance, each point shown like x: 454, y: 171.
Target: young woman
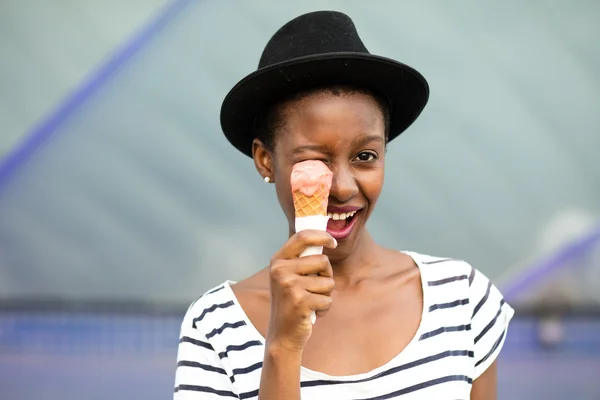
x: 391, y: 324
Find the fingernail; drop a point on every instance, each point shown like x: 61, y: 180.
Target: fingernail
x: 334, y: 242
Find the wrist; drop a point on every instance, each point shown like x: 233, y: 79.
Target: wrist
x: 280, y: 377
x: 277, y: 350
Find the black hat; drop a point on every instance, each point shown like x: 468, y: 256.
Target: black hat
x: 317, y: 49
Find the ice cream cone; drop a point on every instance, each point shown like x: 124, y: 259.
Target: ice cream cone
x: 316, y: 204
x: 311, y: 181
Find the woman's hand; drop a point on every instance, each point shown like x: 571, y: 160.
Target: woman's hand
x: 295, y: 293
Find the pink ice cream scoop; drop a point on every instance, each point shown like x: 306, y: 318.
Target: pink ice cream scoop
x: 311, y: 182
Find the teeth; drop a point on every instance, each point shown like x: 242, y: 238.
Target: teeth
x: 336, y: 216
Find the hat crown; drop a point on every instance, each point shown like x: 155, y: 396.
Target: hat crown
x: 312, y: 34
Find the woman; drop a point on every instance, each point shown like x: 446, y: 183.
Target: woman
x: 390, y: 324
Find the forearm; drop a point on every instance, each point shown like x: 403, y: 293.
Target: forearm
x: 280, y: 379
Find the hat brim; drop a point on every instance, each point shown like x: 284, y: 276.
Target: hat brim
x: 406, y: 89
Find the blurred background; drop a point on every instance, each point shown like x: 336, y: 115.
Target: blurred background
x: 121, y: 201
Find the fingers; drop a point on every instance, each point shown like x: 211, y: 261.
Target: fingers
x: 312, y: 265
x: 320, y: 289
x: 319, y: 303
x: 285, y: 277
x: 318, y: 284
x: 301, y: 285
x: 304, y: 303
x: 303, y: 239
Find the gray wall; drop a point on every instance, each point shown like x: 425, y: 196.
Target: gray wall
x: 48, y: 47
x: 138, y: 195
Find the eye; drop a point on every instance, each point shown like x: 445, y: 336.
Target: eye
x: 366, y: 156
x: 323, y: 160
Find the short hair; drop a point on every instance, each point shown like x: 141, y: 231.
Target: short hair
x: 271, y: 119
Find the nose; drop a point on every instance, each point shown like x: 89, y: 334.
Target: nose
x: 343, y: 185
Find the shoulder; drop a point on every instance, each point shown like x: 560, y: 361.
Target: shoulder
x: 488, y: 314
x: 440, y: 270
x: 210, y: 309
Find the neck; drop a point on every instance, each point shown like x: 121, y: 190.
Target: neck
x: 353, y: 265
x: 358, y: 263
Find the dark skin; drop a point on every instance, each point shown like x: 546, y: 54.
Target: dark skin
x: 363, y: 291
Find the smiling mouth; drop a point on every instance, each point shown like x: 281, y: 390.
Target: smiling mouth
x: 340, y: 225
x: 341, y: 216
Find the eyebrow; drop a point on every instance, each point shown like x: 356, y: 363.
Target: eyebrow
x: 322, y: 149
x: 368, y: 138
x: 316, y: 148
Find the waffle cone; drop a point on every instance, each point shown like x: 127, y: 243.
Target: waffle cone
x: 316, y: 204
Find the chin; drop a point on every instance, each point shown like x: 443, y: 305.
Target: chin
x: 346, y: 246
x: 337, y: 255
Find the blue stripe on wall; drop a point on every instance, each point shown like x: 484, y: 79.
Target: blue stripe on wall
x: 537, y: 272
x: 43, y: 131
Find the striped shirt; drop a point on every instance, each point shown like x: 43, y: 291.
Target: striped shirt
x: 462, y: 330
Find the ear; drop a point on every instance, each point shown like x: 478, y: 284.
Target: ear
x: 263, y: 160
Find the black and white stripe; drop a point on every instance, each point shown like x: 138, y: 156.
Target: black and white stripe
x: 195, y: 342
x: 205, y: 389
x: 447, y: 280
x: 463, y: 328
x: 211, y: 309
x: 445, y: 329
x: 226, y: 325
x: 490, y: 318
x: 206, y: 367
x: 450, y: 304
x: 483, y: 300
x: 391, y: 371
x: 239, y: 347
x: 423, y: 385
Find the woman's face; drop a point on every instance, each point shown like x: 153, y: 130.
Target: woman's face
x: 347, y: 132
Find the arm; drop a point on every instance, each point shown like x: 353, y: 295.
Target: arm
x: 280, y: 377
x: 298, y: 286
x: 486, y: 386
x: 199, y: 374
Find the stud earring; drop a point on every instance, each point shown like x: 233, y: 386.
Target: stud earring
x: 267, y: 179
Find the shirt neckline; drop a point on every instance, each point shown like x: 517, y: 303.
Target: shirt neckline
x: 365, y: 375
